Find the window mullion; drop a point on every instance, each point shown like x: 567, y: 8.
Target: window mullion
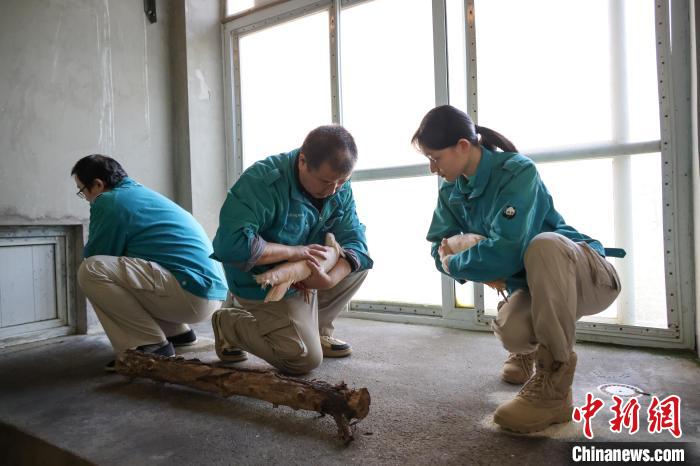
x: 470, y: 36
x: 621, y: 166
x: 334, y: 37
x: 440, y: 52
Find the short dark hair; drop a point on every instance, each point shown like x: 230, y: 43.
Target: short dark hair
x: 333, y: 144
x: 96, y: 166
x: 443, y: 126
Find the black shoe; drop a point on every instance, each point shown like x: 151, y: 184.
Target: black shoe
x: 110, y: 366
x: 163, y: 349
x: 233, y: 355
x: 184, y: 339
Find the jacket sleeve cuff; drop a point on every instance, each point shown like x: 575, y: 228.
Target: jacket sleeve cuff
x: 257, y: 246
x: 351, y: 257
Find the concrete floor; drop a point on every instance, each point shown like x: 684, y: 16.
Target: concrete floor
x: 433, y: 392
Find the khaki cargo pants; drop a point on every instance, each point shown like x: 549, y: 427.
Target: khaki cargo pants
x: 139, y: 302
x: 566, y: 281
x: 287, y: 333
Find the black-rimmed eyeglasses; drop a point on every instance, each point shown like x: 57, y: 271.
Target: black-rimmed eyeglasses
x: 80, y: 193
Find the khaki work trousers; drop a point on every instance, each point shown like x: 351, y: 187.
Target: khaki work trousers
x: 139, y: 302
x: 287, y: 333
x: 566, y: 281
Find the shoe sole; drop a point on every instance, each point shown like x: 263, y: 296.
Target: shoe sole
x: 189, y: 343
x: 513, y: 380
x: 560, y: 418
x: 337, y: 354
x: 222, y: 357
x: 233, y: 358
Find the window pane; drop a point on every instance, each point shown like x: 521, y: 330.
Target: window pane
x: 285, y: 85
x: 236, y: 6
x: 544, y: 71
x: 464, y: 295
x: 590, y: 213
x: 397, y: 214
x: 642, y: 87
x: 647, y: 227
x: 387, y: 77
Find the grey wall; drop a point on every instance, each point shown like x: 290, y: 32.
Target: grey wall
x: 198, y: 109
x: 695, y: 105
x: 86, y: 76
x: 94, y: 76
x: 79, y: 77
x: 206, y: 111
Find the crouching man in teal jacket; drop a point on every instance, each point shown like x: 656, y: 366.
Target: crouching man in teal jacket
x: 147, y: 270
x: 280, y: 209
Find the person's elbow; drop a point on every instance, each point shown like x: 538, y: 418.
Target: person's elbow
x: 232, y: 249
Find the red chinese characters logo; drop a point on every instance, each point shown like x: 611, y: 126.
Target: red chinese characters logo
x: 587, y: 412
x: 665, y: 415
x: 625, y: 416
x: 661, y: 415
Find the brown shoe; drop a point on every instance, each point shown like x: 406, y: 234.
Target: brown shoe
x: 334, y: 348
x: 544, y: 400
x: 224, y: 351
x: 518, y: 368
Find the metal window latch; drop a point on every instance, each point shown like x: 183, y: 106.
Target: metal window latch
x: 149, y: 7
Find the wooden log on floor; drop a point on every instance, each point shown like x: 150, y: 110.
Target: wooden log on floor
x: 347, y: 406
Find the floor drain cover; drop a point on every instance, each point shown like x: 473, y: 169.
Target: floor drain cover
x: 621, y: 389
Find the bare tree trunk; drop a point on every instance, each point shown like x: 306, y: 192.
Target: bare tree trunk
x: 344, y: 404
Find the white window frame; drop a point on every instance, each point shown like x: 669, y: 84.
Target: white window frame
x: 674, y: 146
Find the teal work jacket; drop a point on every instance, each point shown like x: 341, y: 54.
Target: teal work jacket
x: 266, y: 202
x: 133, y: 221
x: 506, y: 202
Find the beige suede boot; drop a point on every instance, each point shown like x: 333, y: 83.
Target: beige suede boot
x: 544, y: 400
x: 518, y: 368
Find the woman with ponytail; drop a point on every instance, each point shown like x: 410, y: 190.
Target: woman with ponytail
x: 553, y: 274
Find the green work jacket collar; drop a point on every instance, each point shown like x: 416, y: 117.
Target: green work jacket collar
x: 475, y: 185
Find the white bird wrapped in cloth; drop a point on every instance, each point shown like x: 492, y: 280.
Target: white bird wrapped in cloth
x: 458, y: 243
x: 284, y: 275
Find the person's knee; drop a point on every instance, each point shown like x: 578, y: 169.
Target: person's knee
x: 293, y: 353
x: 515, y: 337
x: 301, y: 365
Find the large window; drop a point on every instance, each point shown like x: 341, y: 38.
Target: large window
x: 386, y: 84
x: 582, y: 87
x: 285, y: 90
x: 397, y: 213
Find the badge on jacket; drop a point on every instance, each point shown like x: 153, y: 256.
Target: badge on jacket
x: 509, y: 212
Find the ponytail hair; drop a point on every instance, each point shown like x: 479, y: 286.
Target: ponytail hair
x: 443, y: 126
